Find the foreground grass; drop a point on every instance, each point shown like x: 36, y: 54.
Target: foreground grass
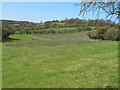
x: 64, y: 63
x: 0, y: 65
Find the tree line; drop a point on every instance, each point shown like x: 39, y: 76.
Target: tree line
x: 25, y: 27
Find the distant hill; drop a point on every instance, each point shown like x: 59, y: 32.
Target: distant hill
x: 13, y: 21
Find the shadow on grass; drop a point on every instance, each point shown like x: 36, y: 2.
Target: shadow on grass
x: 9, y: 39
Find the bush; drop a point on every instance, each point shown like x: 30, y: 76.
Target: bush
x: 102, y: 30
x: 111, y: 34
x: 52, y: 31
x: 93, y: 35
x: 7, y: 29
x: 98, y: 34
x: 105, y: 33
x: 87, y: 28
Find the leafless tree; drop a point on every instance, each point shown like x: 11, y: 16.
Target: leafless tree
x: 111, y: 9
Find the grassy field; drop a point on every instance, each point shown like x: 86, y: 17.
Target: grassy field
x: 59, y: 61
x: 0, y: 65
x: 59, y: 29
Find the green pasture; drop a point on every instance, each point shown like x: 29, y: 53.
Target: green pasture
x: 59, y: 29
x: 59, y: 61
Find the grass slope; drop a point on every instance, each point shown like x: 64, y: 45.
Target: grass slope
x: 59, y: 29
x: 59, y: 61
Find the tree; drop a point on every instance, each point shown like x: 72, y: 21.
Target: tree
x: 7, y: 29
x: 112, y: 9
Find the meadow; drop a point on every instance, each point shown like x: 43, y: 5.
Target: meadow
x: 59, y: 61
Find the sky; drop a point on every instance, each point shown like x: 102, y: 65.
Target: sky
x: 42, y: 11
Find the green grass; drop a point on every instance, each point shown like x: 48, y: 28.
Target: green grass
x: 48, y: 40
x: 54, y: 29
x: 0, y: 65
x: 59, y: 61
x: 59, y: 29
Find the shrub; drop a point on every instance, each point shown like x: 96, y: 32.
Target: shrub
x: 7, y: 29
x: 102, y: 30
x: 87, y: 28
x: 78, y: 29
x: 111, y: 34
x: 105, y: 33
x: 93, y: 35
x: 52, y: 31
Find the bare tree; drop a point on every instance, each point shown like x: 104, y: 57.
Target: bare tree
x: 112, y: 9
